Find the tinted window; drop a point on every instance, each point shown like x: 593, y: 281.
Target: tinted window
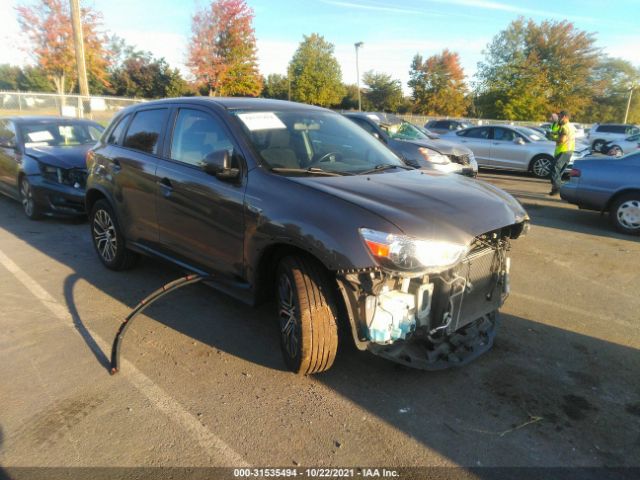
x: 116, y: 134
x: 612, y: 129
x: 430, y: 124
x: 442, y: 124
x: 7, y: 132
x: 364, y: 124
x: 503, y: 134
x: 482, y: 132
x: 144, y: 132
x: 196, y: 135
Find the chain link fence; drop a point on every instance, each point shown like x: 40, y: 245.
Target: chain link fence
x: 99, y: 109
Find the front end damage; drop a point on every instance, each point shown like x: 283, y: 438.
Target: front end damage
x: 436, y: 320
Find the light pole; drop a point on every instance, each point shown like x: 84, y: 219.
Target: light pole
x: 358, y: 45
x: 78, y: 42
x: 626, y: 113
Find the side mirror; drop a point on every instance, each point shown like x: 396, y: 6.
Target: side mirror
x: 518, y: 141
x: 7, y: 143
x: 218, y: 164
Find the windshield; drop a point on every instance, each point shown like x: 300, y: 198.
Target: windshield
x: 531, y: 134
x: 59, y: 134
x: 310, y: 140
x: 403, y: 131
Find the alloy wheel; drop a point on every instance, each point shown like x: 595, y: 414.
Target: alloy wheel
x: 104, y: 235
x: 26, y: 195
x: 541, y: 167
x: 287, y: 316
x: 628, y: 214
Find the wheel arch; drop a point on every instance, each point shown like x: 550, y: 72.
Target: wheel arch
x: 617, y: 195
x: 92, y: 196
x: 267, y: 263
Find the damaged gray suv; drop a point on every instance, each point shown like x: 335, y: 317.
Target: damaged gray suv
x: 278, y: 199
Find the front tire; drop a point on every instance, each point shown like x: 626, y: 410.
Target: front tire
x: 615, y: 151
x: 625, y: 213
x: 31, y: 209
x: 306, y: 311
x: 597, y: 145
x: 541, y: 166
x: 108, y: 239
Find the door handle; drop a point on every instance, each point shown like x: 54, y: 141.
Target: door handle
x: 166, y: 186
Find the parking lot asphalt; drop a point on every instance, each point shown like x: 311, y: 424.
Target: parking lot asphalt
x: 203, y: 383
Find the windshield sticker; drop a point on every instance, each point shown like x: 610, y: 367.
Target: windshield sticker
x: 42, y: 136
x: 35, y: 144
x: 261, y: 121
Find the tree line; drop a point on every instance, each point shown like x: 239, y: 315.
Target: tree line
x: 528, y: 70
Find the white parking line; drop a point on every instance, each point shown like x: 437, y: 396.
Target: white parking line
x: 212, y: 444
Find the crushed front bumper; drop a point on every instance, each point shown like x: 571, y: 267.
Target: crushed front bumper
x: 57, y: 198
x: 431, y: 321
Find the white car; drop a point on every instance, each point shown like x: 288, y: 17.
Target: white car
x: 509, y: 147
x: 618, y: 148
x: 600, y: 134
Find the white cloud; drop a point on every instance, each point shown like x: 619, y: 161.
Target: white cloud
x: 11, y: 39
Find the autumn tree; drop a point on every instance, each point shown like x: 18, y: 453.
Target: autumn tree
x: 437, y: 84
x: 533, y: 68
x: 276, y: 86
x: 136, y: 73
x: 611, y: 80
x: 383, y: 93
x: 316, y: 77
x: 47, y: 25
x: 222, y: 52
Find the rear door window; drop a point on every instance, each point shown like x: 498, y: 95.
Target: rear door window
x: 145, y: 129
x: 480, y: 132
x: 364, y: 124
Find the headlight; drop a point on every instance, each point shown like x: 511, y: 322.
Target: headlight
x: 406, y: 253
x: 51, y: 173
x: 433, y: 157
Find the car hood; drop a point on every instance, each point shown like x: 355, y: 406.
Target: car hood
x: 63, y: 157
x: 442, y: 146
x: 427, y: 204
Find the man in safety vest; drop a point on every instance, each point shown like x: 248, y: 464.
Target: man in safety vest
x: 565, y: 145
x: 554, y: 128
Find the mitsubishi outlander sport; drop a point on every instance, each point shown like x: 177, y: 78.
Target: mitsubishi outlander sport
x: 278, y: 199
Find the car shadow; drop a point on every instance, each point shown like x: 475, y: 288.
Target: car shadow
x: 565, y: 217
x: 542, y: 390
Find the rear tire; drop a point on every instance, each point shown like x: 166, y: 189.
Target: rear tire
x: 541, y: 166
x: 624, y: 213
x: 306, y: 311
x: 108, y: 239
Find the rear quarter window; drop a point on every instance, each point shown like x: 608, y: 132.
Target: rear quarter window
x: 144, y: 132
x: 115, y: 135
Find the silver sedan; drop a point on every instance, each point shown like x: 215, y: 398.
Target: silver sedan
x: 508, y: 148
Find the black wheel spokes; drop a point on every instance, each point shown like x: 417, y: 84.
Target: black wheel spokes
x: 104, y: 234
x: 287, y: 314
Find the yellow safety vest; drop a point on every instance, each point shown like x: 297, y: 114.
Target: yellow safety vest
x: 569, y: 145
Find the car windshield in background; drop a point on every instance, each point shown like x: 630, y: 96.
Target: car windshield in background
x: 403, y: 131
x: 308, y: 142
x: 59, y: 134
x: 531, y: 134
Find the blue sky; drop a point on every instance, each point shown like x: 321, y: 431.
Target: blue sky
x: 392, y: 31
